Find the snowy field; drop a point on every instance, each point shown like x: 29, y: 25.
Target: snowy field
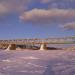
x: 52, y: 62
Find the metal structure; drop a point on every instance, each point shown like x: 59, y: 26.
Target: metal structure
x: 43, y: 42
x: 65, y: 40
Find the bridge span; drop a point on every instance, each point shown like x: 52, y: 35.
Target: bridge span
x: 11, y: 44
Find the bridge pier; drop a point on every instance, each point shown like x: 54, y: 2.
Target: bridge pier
x: 43, y: 46
x: 11, y: 47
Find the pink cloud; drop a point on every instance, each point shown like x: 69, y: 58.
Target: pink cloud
x: 3, y: 9
x: 47, y: 16
x: 69, y: 25
x: 45, y: 1
x: 7, y: 6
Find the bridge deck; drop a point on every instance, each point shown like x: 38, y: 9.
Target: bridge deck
x: 40, y: 41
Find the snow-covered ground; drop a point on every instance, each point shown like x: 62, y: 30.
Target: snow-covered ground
x: 51, y: 62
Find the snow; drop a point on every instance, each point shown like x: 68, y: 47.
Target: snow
x: 51, y: 62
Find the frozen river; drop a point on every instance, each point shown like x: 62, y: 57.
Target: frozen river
x: 52, y: 62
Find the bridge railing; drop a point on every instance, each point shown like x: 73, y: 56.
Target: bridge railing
x: 39, y: 41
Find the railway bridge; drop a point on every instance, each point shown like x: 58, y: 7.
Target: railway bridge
x: 11, y: 44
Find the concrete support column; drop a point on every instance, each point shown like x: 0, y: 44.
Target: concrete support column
x: 11, y: 47
x: 43, y: 46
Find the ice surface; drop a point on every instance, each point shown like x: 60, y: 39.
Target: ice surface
x: 56, y: 62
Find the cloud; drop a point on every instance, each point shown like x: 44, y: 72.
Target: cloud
x: 47, y: 16
x: 7, y: 6
x: 45, y: 1
x: 3, y: 9
x: 69, y: 25
x: 59, y: 3
x: 35, y: 15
